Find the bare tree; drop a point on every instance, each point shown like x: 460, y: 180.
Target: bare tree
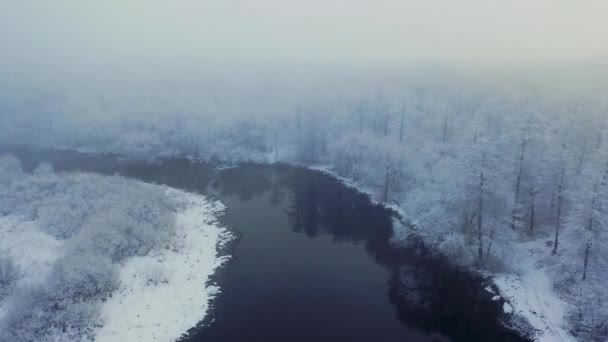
x: 401, y: 123
x: 482, y: 181
x: 518, y: 182
x: 560, y: 201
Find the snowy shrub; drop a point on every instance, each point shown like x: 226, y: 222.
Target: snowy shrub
x: 10, y: 174
x: 67, y: 301
x: 103, y: 221
x: 455, y: 248
x: 10, y: 169
x: 9, y: 274
x: 348, y: 154
x: 155, y: 275
x: 44, y: 170
x: 36, y: 313
x: 75, y: 199
x: 129, y: 227
x: 121, y: 237
x: 82, y: 276
x: 62, y: 214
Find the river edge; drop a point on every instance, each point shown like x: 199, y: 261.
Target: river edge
x: 180, y: 293
x: 537, y: 323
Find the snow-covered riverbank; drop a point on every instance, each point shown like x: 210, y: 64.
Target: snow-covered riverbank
x: 529, y: 291
x: 527, y: 287
x: 106, y: 258
x: 163, y: 295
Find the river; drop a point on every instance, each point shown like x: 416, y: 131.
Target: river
x: 313, y: 259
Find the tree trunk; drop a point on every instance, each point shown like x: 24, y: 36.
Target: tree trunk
x: 521, y: 170
x: 298, y: 119
x: 445, y: 130
x: 532, y: 209
x: 386, y: 125
x: 490, y: 243
x: 276, y: 147
x: 386, y: 180
x: 401, y: 130
x: 586, y: 260
x: 362, y: 109
x: 359, y: 161
x: 518, y: 182
x: 312, y: 150
x: 590, y: 230
x: 480, y: 215
x: 591, y: 224
x: 581, y: 159
x: 560, y: 200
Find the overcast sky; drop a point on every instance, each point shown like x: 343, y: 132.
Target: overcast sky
x: 74, y: 36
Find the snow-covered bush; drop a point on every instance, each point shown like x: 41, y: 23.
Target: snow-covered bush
x: 10, y: 168
x: 83, y: 276
x: 35, y: 312
x: 156, y: 274
x: 101, y: 221
x: 44, y: 170
x: 10, y: 173
x: 9, y: 274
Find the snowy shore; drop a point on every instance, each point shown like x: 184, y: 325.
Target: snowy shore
x: 529, y: 292
x: 527, y: 289
x: 165, y: 294
x: 157, y: 295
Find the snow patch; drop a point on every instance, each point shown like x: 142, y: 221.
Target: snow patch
x: 529, y: 292
x: 163, y: 295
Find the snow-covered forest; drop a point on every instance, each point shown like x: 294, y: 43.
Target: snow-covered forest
x: 478, y: 170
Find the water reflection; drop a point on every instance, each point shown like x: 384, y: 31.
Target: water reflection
x: 433, y: 295
x: 427, y: 292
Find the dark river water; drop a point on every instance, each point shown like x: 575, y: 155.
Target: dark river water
x: 313, y: 261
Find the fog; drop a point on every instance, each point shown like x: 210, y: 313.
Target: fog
x: 87, y: 39
x: 177, y: 55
